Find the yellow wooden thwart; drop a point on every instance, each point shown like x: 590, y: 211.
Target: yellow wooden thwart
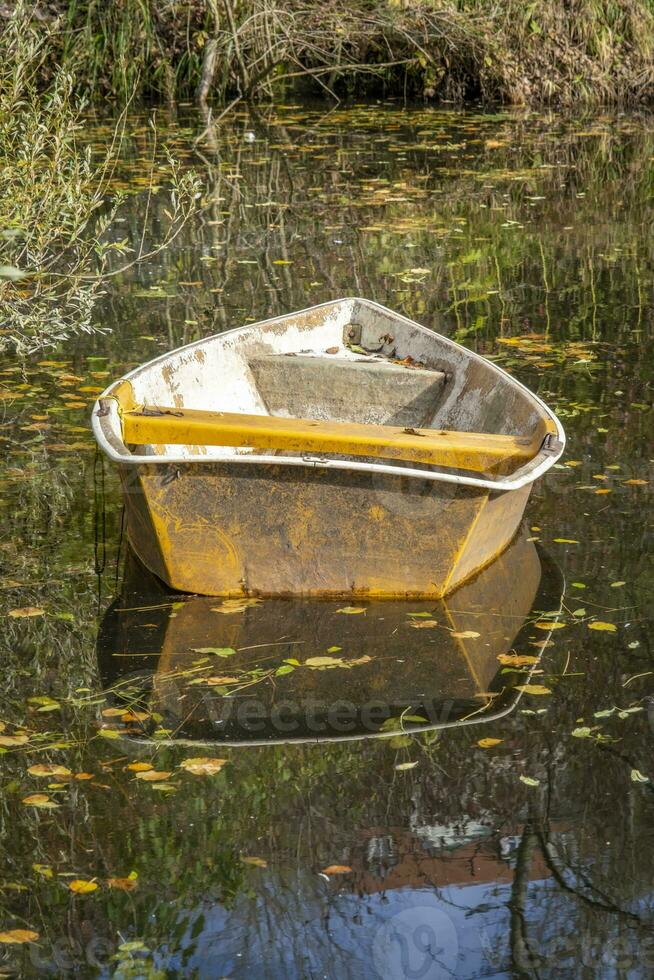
x: 479, y: 452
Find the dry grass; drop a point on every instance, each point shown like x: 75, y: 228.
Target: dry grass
x: 543, y: 51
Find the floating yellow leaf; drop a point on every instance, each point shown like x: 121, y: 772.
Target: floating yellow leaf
x: 49, y: 770
x: 566, y: 541
x: 324, y: 663
x: 139, y: 766
x: 39, y: 800
x: 424, y: 624
x: 82, y: 887
x: 152, y: 776
x: 516, y: 659
x: 466, y: 635
x: 113, y: 712
x: 18, y: 936
x: 488, y: 743
x: 529, y: 781
x: 638, y: 777
x: 403, y: 766
x: 131, y: 716
x: 605, y: 627
x: 636, y: 483
x: 337, y: 869
x: 235, y: 605
x: 44, y: 870
x: 549, y: 624
x: 203, y: 765
x: 352, y: 610
x: 255, y: 862
x: 222, y: 680
x: 533, y: 689
x: 26, y: 612
x: 123, y: 884
x: 13, y: 739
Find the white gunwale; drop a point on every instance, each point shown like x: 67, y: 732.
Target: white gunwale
x: 107, y: 425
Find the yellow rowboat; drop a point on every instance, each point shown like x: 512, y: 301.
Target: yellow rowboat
x: 340, y: 451
x: 274, y: 670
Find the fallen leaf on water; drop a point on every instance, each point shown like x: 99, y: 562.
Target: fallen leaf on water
x: 226, y: 680
x: 139, y: 766
x: 636, y: 483
x: 26, y: 612
x: 583, y: 732
x: 44, y: 870
x: 337, y: 869
x: 153, y: 776
x: 203, y: 765
x: 424, y: 624
x: 49, y: 770
x: 327, y: 663
x: 81, y: 887
x: 516, y: 659
x: 466, y: 635
x: 324, y: 663
x: 235, y: 605
x: 218, y: 651
x: 131, y: 716
x: 351, y: 610
x: 529, y: 781
x: 403, y: 766
x: 566, y: 541
x: 18, y: 936
x: 13, y: 739
x: 617, y: 585
x: 606, y: 627
x: 488, y: 743
x: 124, y: 884
x: 255, y: 862
x: 39, y: 800
x: 112, y: 712
x: 638, y: 777
x: 545, y: 624
x: 534, y: 689
x: 83, y: 775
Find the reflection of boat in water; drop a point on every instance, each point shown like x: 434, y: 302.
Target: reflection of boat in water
x: 279, y: 670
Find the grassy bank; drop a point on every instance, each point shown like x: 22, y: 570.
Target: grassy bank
x: 558, y: 52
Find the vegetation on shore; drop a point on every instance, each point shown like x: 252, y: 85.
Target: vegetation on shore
x: 544, y: 51
x: 58, y: 201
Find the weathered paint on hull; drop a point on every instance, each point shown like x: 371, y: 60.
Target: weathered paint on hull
x: 230, y: 530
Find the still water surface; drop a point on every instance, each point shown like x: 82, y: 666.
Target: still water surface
x: 513, y: 834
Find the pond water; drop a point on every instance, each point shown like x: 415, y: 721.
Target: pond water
x: 427, y: 805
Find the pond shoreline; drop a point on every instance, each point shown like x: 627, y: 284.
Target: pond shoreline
x: 590, y: 53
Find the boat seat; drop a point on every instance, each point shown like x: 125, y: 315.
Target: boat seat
x: 343, y: 389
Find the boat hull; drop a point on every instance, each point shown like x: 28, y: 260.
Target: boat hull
x: 226, y: 529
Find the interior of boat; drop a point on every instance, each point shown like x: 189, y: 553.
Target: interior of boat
x: 336, y: 367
